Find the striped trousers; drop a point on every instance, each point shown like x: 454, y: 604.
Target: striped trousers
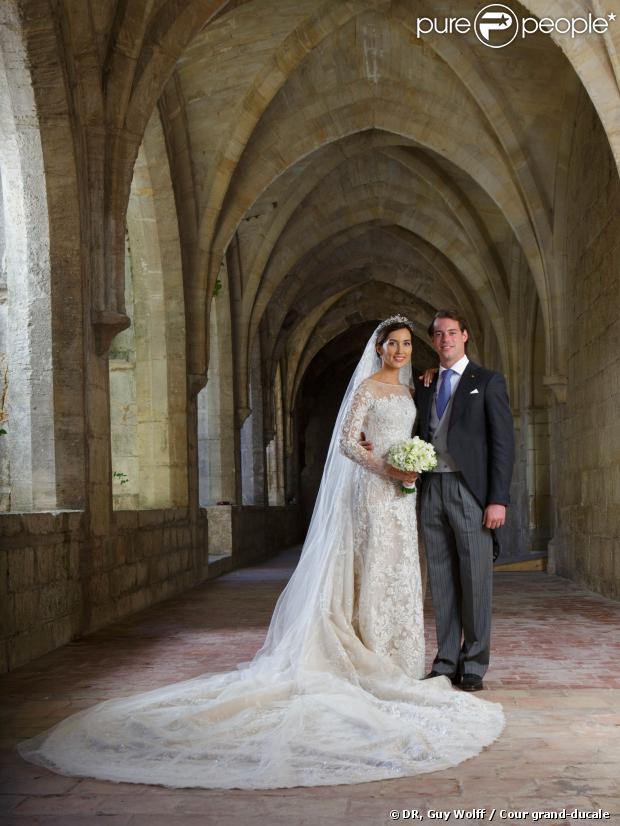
x: 460, y: 571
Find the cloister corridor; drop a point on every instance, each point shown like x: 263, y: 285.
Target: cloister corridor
x: 206, y: 208
x: 555, y: 670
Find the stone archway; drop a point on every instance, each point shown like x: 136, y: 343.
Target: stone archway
x: 147, y: 361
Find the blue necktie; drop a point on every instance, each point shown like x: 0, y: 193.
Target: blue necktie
x: 443, y: 397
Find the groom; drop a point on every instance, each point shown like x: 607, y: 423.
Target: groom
x: 465, y: 414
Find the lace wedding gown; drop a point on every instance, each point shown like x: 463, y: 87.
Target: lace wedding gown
x: 387, y: 605
x: 335, y: 694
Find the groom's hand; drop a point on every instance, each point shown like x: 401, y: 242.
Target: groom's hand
x: 428, y: 376
x: 494, y: 516
x: 365, y: 444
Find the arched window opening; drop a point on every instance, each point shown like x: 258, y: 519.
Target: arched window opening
x: 147, y: 361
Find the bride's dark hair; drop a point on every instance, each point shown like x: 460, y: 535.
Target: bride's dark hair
x: 384, y: 333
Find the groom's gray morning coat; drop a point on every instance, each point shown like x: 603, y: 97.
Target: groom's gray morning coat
x: 480, y: 443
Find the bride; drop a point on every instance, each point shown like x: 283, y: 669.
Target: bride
x: 336, y: 694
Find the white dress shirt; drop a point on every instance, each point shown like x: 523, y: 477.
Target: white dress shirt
x: 445, y: 463
x: 458, y: 370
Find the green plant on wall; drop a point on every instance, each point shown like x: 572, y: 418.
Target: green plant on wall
x: 218, y: 287
x: 122, y: 477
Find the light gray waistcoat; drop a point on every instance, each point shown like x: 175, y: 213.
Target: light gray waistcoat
x: 439, y: 437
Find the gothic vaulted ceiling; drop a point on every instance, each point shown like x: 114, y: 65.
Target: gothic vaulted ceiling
x: 331, y: 161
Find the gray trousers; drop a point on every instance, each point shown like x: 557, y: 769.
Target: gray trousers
x: 460, y: 571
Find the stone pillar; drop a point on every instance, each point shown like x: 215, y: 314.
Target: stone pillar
x: 537, y: 485
x: 216, y: 412
x: 252, y: 449
x: 124, y: 408
x: 29, y: 411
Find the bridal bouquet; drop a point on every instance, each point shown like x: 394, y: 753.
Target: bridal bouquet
x: 412, y: 455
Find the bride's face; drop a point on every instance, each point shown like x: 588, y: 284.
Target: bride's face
x: 396, y: 349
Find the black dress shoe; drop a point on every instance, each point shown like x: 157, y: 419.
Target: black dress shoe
x: 471, y: 682
x: 455, y: 680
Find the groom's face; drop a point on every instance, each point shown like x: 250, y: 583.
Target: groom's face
x: 449, y: 341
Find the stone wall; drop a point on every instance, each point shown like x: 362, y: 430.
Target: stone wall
x: 55, y: 583
x: 587, y: 451
x: 150, y: 556
x: 40, y: 593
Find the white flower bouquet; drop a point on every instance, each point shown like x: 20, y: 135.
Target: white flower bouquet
x: 413, y: 456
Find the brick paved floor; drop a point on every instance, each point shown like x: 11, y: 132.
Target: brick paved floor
x: 555, y: 669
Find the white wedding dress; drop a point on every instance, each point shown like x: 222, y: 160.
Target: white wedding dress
x: 387, y: 601
x: 335, y: 695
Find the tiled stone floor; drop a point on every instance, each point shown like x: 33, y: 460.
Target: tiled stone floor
x: 555, y: 669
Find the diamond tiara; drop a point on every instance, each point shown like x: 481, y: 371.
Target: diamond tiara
x: 393, y: 320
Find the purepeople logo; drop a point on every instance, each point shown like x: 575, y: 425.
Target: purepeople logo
x: 497, y: 26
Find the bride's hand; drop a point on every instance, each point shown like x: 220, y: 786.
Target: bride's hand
x: 406, y: 477
x: 364, y: 443
x: 428, y: 375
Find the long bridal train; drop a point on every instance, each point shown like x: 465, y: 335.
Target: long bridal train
x: 335, y: 695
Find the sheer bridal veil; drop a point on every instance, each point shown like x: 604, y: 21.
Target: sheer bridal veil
x: 313, y: 707
x: 310, y: 589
